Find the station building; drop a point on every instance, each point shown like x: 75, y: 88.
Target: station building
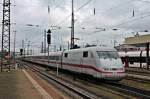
x: 136, y: 43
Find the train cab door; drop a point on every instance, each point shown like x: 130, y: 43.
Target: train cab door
x: 87, y: 61
x: 81, y: 64
x: 84, y: 61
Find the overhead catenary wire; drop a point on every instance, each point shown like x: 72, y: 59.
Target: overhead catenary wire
x: 116, y: 6
x: 46, y: 6
x: 55, y: 7
x: 131, y: 20
x: 123, y: 23
x: 109, y: 9
x: 143, y: 1
x: 85, y: 4
x: 126, y: 21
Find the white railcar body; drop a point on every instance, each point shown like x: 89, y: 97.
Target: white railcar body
x: 100, y: 62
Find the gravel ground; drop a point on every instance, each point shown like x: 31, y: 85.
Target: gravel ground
x: 140, y: 85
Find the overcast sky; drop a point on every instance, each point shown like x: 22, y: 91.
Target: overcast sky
x: 109, y: 15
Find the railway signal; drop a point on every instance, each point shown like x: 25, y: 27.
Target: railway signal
x: 48, y: 42
x: 21, y: 52
x: 49, y: 36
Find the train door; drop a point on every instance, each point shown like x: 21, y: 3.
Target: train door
x: 84, y: 61
x: 81, y: 63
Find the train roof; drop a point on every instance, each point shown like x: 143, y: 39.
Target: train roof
x: 45, y: 54
x: 97, y: 48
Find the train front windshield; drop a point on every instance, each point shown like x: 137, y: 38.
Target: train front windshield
x: 108, y: 54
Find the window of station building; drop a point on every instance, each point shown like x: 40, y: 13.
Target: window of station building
x: 85, y: 54
x: 66, y: 55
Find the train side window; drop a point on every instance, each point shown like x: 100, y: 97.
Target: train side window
x: 66, y: 55
x: 85, y: 54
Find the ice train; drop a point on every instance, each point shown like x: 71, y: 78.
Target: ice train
x: 99, y: 62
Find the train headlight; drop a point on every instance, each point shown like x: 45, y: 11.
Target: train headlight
x: 113, y: 69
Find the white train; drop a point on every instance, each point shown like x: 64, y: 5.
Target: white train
x: 100, y: 62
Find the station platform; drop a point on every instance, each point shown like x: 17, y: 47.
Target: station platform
x: 15, y: 85
x: 25, y: 84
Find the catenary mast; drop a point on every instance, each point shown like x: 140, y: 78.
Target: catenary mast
x: 72, y: 27
x: 5, y: 46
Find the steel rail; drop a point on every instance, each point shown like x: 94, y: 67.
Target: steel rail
x: 128, y: 89
x: 85, y: 93
x: 140, y: 71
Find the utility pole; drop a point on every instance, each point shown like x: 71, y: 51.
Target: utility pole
x: 48, y: 42
x: 28, y: 45
x: 44, y: 41
x: 68, y: 45
x: 54, y: 48
x: 23, y: 48
x: 5, y: 46
x: 14, y: 45
x: 72, y: 27
x: 42, y: 48
x: 115, y: 43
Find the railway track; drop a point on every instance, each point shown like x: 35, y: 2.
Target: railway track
x: 142, y: 75
x: 138, y: 71
x: 74, y: 90
x: 129, y: 90
x: 126, y: 89
x: 138, y: 80
x: 123, y: 88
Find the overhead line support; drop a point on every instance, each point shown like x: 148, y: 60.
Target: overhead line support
x: 72, y: 27
x: 5, y: 46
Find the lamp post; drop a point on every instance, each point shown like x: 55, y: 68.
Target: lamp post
x: 48, y: 42
x: 14, y: 54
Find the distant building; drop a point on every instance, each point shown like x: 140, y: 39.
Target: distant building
x: 125, y: 47
x: 138, y: 42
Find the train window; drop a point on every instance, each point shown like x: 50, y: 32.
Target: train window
x: 108, y: 54
x: 66, y: 54
x: 85, y: 54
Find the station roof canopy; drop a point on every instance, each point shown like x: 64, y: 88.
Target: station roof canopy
x: 142, y: 39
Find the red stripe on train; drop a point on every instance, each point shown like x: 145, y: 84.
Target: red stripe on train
x: 87, y: 66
